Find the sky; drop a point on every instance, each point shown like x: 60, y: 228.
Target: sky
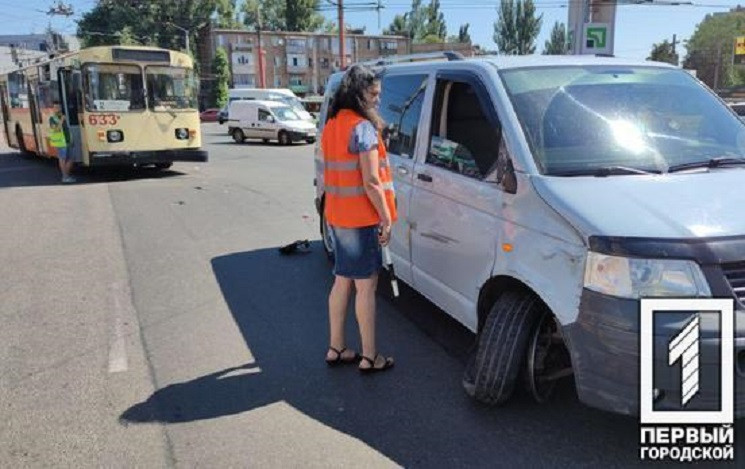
x: 637, y: 26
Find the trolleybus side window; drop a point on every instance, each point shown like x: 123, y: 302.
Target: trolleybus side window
x: 18, y: 90
x: 114, y: 88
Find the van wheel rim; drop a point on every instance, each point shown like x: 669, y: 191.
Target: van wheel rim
x: 544, y: 359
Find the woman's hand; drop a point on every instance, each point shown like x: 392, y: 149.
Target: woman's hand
x: 384, y: 232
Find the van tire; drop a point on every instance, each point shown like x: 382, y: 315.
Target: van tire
x: 326, y: 239
x: 494, y: 366
x: 265, y: 140
x: 163, y: 165
x: 284, y: 138
x: 238, y: 136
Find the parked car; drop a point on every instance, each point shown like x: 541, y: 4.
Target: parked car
x: 268, y: 120
x: 222, y: 116
x: 540, y: 197
x: 209, y: 115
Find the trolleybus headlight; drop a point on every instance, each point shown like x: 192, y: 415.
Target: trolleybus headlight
x: 114, y: 136
x: 182, y: 134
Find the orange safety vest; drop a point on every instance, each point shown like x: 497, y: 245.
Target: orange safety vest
x: 347, y: 204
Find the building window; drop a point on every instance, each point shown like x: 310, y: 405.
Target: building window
x: 310, y: 62
x: 296, y: 81
x: 243, y: 80
x: 389, y: 45
x: 277, y: 81
x: 221, y: 40
x: 277, y: 61
x: 297, y: 43
x: 294, y: 61
x: 324, y: 62
x: 370, y: 44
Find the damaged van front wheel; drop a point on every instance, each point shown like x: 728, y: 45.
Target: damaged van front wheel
x: 499, y: 355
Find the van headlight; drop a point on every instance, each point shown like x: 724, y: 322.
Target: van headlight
x: 628, y: 277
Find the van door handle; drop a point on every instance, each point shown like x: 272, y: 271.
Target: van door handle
x: 402, y: 170
x: 424, y: 177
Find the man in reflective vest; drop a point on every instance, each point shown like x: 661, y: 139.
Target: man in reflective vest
x: 360, y: 209
x: 58, y: 139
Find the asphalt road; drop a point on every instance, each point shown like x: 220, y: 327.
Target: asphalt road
x: 148, y: 320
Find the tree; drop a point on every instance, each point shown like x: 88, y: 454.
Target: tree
x: 221, y: 72
x: 663, y: 52
x: 283, y: 15
x: 226, y: 14
x: 145, y: 22
x: 398, y: 27
x: 435, y: 26
x: 302, y: 15
x: 557, y: 44
x: 272, y: 14
x: 709, y: 50
x: 517, y: 27
x: 463, y: 35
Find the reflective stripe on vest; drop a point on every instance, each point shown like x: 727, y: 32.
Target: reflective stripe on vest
x: 347, y: 204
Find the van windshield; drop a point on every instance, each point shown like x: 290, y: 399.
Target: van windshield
x: 584, y: 119
x: 284, y: 113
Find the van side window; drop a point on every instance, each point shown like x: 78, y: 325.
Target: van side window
x: 400, y: 108
x: 463, y: 140
x: 263, y: 115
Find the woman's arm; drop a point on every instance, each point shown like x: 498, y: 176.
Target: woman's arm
x: 369, y: 164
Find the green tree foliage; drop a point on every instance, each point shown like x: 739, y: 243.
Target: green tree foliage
x: 398, y: 27
x: 712, y: 35
x: 435, y: 26
x: 463, y: 35
x: 283, y: 15
x: 557, y: 44
x: 221, y: 71
x: 226, y: 14
x: 302, y: 15
x: 663, y: 52
x: 517, y: 27
x: 272, y: 14
x: 422, y: 23
x: 148, y: 22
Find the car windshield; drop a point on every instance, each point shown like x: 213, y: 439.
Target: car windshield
x: 171, y: 88
x: 113, y: 88
x: 291, y: 101
x: 582, y: 120
x: 284, y: 113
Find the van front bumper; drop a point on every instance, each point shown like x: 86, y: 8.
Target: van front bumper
x: 604, y: 344
x: 128, y: 158
x: 296, y: 135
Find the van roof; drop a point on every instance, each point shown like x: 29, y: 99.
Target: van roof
x: 246, y: 102
x: 504, y: 62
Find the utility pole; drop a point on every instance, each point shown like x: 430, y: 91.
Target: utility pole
x: 342, y: 54
x: 262, y: 83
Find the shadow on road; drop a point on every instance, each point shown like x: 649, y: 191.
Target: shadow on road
x: 417, y: 414
x: 17, y: 170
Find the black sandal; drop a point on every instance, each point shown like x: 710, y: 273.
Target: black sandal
x: 387, y: 365
x: 339, y: 360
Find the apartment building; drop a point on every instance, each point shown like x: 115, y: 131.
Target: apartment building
x: 301, y: 62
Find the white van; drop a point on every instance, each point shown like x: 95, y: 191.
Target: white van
x: 268, y: 120
x: 541, y: 197
x: 281, y: 95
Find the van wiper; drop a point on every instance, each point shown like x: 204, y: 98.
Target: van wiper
x: 715, y: 162
x: 605, y: 171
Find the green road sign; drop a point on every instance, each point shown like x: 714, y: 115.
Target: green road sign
x: 596, y: 37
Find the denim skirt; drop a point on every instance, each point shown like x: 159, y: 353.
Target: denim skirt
x: 357, y: 252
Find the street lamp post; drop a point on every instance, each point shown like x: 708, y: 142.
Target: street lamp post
x: 186, y: 35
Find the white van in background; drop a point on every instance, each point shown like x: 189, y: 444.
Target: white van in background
x: 281, y: 95
x: 268, y: 120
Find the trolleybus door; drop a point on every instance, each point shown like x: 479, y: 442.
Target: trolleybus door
x: 70, y: 84
x: 5, y: 113
x: 33, y: 103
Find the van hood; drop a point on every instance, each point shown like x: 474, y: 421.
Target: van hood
x: 679, y: 205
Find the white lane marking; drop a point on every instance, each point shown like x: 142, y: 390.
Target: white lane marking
x: 117, y: 349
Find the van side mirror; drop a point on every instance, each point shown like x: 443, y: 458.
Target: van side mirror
x: 271, y: 119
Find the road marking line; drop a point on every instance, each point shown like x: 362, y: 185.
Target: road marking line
x: 118, y: 349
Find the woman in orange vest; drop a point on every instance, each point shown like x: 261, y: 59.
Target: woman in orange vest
x: 360, y: 208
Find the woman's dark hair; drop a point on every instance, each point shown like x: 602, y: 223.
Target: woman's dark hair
x: 350, y: 95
